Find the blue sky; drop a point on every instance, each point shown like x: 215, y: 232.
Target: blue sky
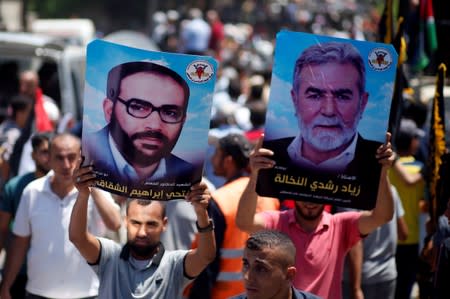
x: 102, y: 56
x: 281, y: 121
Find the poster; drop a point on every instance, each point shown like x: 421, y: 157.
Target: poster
x: 146, y: 119
x: 328, y: 112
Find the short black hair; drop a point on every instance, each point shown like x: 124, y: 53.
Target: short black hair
x: 273, y: 239
x: 39, y: 138
x: 117, y: 73
x: 146, y: 202
x: 238, y: 147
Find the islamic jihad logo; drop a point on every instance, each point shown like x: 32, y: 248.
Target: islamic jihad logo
x: 380, y: 59
x: 199, y: 71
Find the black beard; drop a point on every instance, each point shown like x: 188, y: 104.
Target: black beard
x: 307, y: 216
x: 143, y: 251
x: 42, y: 169
x: 127, y: 148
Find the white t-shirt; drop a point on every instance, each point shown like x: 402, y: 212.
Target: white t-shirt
x: 55, y: 268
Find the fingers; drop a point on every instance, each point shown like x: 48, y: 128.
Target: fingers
x: 388, y: 137
x: 199, y: 195
x: 384, y: 153
x: 259, y: 143
x: 80, y: 161
x: 84, y: 177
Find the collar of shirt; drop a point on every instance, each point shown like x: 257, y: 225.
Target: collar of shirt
x: 47, y: 187
x: 338, y: 163
x: 323, y: 224
x: 155, y: 260
x: 126, y: 170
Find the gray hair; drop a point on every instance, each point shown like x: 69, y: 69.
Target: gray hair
x: 338, y: 52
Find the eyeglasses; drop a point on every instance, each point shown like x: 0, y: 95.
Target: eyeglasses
x: 137, y: 108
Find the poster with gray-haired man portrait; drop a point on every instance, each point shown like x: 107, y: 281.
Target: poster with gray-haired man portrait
x: 328, y: 113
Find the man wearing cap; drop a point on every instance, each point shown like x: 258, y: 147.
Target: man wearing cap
x: 223, y: 277
x: 407, y: 178
x: 145, y: 108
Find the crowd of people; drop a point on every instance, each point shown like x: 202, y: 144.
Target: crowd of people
x: 64, y: 238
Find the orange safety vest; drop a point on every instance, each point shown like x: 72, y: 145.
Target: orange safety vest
x: 229, y: 280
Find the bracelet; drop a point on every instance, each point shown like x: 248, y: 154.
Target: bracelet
x: 205, y: 229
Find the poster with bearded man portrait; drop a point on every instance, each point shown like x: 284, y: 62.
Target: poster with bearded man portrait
x: 328, y: 113
x: 146, y: 119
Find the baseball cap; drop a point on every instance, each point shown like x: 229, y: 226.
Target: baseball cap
x: 409, y: 128
x: 237, y: 146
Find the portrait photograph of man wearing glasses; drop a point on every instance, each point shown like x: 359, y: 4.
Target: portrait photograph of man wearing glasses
x: 145, y: 110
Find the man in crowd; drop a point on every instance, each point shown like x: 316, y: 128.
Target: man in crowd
x: 11, y: 129
x: 142, y: 268
x: 45, y: 109
x: 269, y: 267
x: 406, y: 176
x: 10, y: 199
x: 322, y: 240
x: 54, y: 267
x: 371, y: 262
x: 223, y: 279
x: 145, y: 108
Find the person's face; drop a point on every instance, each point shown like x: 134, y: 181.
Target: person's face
x: 145, y: 141
x: 64, y: 154
x: 308, y: 210
x: 144, y: 227
x: 28, y: 84
x: 415, y: 145
x: 217, y: 161
x: 264, y: 276
x: 41, y: 157
x: 328, y: 105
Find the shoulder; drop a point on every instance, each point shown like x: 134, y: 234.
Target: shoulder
x: 94, y: 136
x: 363, y: 143
x: 173, y: 256
x: 304, y: 295
x: 108, y: 248
x: 172, y: 159
x: 281, y: 143
x: 177, y: 166
x: 345, y: 217
x: 37, y: 185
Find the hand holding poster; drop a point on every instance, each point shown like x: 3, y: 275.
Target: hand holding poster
x: 327, y: 115
x: 146, y: 119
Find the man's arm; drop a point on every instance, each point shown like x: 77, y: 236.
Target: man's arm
x: 355, y: 261
x: 197, y: 259
x: 85, y: 242
x: 15, y: 257
x: 384, y: 207
x: 409, y: 179
x: 5, y: 219
x: 246, y: 217
x: 108, y: 209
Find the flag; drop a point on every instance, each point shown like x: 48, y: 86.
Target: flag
x: 430, y: 26
x: 386, y: 25
x: 401, y: 82
x: 437, y: 140
x: 427, y: 39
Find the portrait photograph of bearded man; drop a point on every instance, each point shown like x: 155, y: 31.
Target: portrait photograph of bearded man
x: 145, y: 110
x: 334, y: 118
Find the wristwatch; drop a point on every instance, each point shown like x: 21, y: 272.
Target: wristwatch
x: 205, y: 229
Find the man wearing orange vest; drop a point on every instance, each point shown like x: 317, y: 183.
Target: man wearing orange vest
x: 223, y: 277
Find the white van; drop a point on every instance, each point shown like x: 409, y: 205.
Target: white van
x: 60, y: 66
